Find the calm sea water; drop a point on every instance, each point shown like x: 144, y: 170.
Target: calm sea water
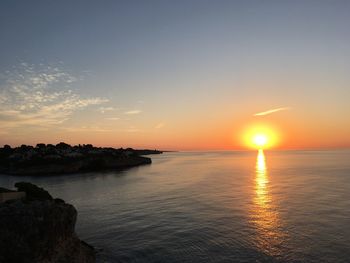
x: 291, y: 206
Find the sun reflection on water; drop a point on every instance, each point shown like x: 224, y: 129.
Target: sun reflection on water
x: 264, y: 216
x: 261, y: 180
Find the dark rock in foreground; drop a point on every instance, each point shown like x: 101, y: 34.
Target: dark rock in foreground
x: 40, y: 231
x: 63, y: 159
x: 33, y: 192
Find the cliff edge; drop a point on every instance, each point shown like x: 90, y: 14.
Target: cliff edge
x: 40, y: 229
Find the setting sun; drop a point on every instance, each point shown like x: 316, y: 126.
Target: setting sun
x: 260, y: 140
x: 260, y: 136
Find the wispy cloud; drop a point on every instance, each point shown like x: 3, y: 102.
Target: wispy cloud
x: 160, y: 125
x: 106, y: 109
x: 263, y: 113
x: 86, y: 129
x: 132, y: 112
x: 39, y: 97
x: 112, y: 118
x: 132, y: 130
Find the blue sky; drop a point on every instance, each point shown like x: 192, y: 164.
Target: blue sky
x: 173, y: 64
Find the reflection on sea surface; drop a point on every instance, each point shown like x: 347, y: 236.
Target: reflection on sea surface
x: 265, y: 216
x: 262, y: 195
x: 279, y: 206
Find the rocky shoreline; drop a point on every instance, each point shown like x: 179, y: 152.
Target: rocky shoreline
x: 40, y: 229
x: 66, y: 159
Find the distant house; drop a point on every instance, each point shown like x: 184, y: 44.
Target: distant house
x: 6, y: 194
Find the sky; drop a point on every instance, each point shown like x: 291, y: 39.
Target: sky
x: 174, y: 75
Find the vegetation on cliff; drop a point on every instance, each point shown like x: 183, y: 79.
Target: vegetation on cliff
x: 63, y: 158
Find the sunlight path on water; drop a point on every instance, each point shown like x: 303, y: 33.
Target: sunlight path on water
x: 264, y: 215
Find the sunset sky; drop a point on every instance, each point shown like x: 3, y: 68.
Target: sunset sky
x: 182, y: 75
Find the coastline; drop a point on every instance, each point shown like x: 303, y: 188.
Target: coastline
x: 60, y: 159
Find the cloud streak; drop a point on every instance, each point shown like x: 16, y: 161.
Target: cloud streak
x: 160, y: 125
x: 112, y: 118
x: 39, y: 98
x: 132, y: 112
x: 263, y: 113
x: 106, y: 109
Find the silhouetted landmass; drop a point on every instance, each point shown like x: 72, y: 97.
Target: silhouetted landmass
x: 33, y: 192
x: 63, y: 158
x: 4, y: 190
x: 40, y: 229
x: 145, y: 152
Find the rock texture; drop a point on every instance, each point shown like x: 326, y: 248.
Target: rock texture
x: 41, y: 231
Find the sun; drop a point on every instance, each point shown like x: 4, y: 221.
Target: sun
x: 260, y: 136
x: 260, y: 140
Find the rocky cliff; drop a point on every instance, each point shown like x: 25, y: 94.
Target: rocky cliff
x: 40, y: 230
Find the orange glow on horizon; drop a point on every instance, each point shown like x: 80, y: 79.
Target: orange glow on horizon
x: 260, y: 136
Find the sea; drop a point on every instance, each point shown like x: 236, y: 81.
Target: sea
x: 222, y: 206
